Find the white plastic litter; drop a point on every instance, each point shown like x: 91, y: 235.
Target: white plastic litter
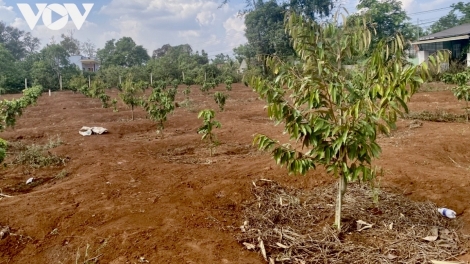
x: 88, y: 131
x: 447, y: 212
x: 30, y: 180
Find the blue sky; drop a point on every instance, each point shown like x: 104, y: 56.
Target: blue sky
x: 153, y: 23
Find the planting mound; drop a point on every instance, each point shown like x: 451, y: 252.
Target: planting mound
x: 294, y: 226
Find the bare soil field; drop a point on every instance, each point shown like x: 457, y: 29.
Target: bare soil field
x: 130, y: 196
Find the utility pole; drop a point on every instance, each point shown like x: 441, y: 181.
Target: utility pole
x: 417, y: 27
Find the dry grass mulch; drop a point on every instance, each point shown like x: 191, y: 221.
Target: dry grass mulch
x: 288, y: 225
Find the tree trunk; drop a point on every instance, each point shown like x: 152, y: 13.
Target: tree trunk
x: 132, y: 110
x: 339, y: 200
x: 466, y: 110
x: 342, y: 181
x: 161, y: 128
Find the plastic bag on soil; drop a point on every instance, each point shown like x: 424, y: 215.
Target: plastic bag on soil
x: 88, y: 131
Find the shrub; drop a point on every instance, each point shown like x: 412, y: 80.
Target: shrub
x: 220, y: 99
x: 206, y: 129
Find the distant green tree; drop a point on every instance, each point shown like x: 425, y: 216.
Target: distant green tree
x: 220, y: 59
x: 8, y: 70
x: 387, y: 18
x: 124, y: 52
x: 13, y: 40
x: 448, y: 21
x: 265, y: 30
x: 244, y: 52
x: 70, y: 44
x: 451, y: 20
x: 52, y: 62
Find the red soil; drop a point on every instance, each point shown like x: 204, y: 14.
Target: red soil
x: 132, y: 196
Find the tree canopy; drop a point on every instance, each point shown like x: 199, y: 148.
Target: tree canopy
x: 387, y: 18
x: 265, y: 30
x: 17, y: 42
x: 124, y: 52
x: 451, y: 19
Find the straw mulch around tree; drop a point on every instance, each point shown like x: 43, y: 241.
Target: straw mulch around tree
x: 287, y: 225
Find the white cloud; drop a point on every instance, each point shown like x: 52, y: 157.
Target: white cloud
x: 6, y: 12
x: 153, y: 23
x: 205, y: 18
x: 432, y: 5
x: 235, y: 31
x: 406, y: 4
x: 212, y: 40
x: 188, y: 34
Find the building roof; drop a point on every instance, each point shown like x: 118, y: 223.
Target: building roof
x: 460, y: 30
x: 90, y: 60
x: 243, y: 65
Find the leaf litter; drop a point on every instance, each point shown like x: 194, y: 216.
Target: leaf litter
x: 288, y: 225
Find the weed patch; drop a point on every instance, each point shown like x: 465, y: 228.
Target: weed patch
x: 437, y: 116
x: 37, y: 156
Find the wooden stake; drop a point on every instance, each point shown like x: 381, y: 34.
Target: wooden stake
x: 119, y: 79
x: 60, y: 82
x: 205, y: 76
x: 49, y: 92
x: 151, y: 78
x: 25, y: 83
x: 89, y: 81
x: 183, y: 76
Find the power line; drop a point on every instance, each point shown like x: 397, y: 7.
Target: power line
x: 436, y: 21
x: 430, y: 11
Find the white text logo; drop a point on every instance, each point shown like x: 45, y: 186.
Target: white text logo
x: 64, y: 11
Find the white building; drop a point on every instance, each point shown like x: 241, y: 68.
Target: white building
x: 85, y: 63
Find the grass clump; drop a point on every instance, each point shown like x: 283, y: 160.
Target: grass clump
x: 436, y: 116
x: 62, y: 174
x: 38, y: 156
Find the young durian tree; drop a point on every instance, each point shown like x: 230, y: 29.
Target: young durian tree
x: 333, y: 115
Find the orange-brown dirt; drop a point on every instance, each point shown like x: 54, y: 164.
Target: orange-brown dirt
x: 131, y: 196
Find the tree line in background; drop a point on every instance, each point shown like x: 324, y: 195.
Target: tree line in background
x: 20, y: 56
x: 452, y: 19
x: 20, y: 59
x: 264, y: 21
